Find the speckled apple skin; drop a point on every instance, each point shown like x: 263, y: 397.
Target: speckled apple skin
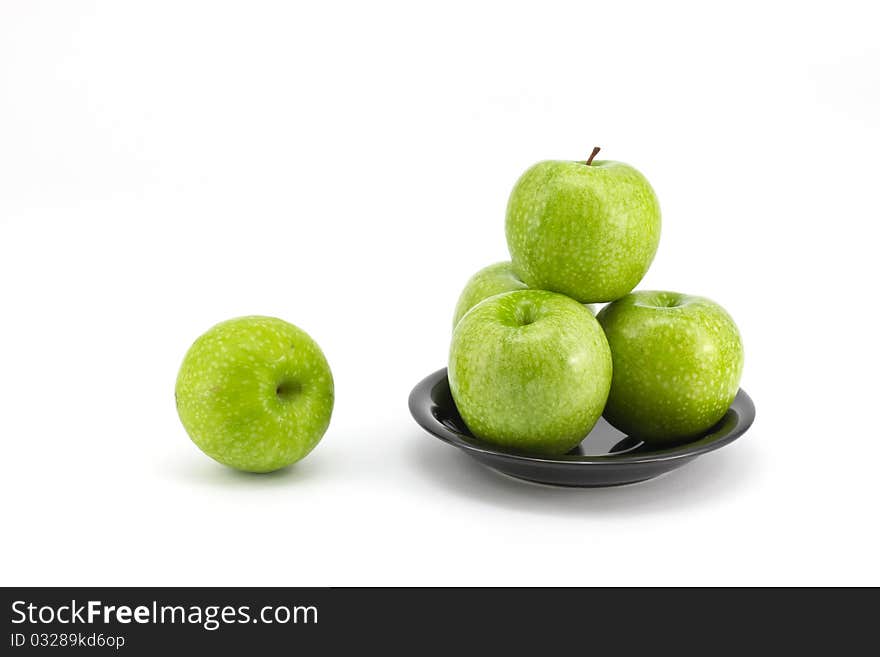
x: 489, y: 281
x: 677, y: 364
x: 255, y: 393
x: 486, y: 283
x: 588, y: 231
x: 537, y: 387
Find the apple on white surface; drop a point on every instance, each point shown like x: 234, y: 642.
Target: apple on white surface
x: 255, y: 393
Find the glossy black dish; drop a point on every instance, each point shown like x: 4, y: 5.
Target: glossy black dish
x: 606, y: 457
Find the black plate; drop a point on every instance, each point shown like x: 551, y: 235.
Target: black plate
x: 606, y: 457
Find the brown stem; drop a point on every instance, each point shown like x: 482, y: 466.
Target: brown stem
x: 595, y: 152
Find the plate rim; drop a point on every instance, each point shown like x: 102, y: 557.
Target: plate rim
x: 421, y: 392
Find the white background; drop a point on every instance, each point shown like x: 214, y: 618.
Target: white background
x: 346, y: 166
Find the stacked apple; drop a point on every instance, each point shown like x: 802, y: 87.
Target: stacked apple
x: 531, y: 368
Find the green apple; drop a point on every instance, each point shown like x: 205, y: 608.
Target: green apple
x: 489, y: 281
x: 530, y: 370
x: 677, y: 364
x: 255, y: 393
x: 586, y: 229
x: 486, y: 283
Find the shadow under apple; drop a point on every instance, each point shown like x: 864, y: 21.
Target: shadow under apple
x: 207, y: 472
x: 705, y: 481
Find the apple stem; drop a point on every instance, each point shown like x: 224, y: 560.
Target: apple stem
x: 595, y: 152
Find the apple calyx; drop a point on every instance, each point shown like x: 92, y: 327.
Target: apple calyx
x: 595, y: 152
